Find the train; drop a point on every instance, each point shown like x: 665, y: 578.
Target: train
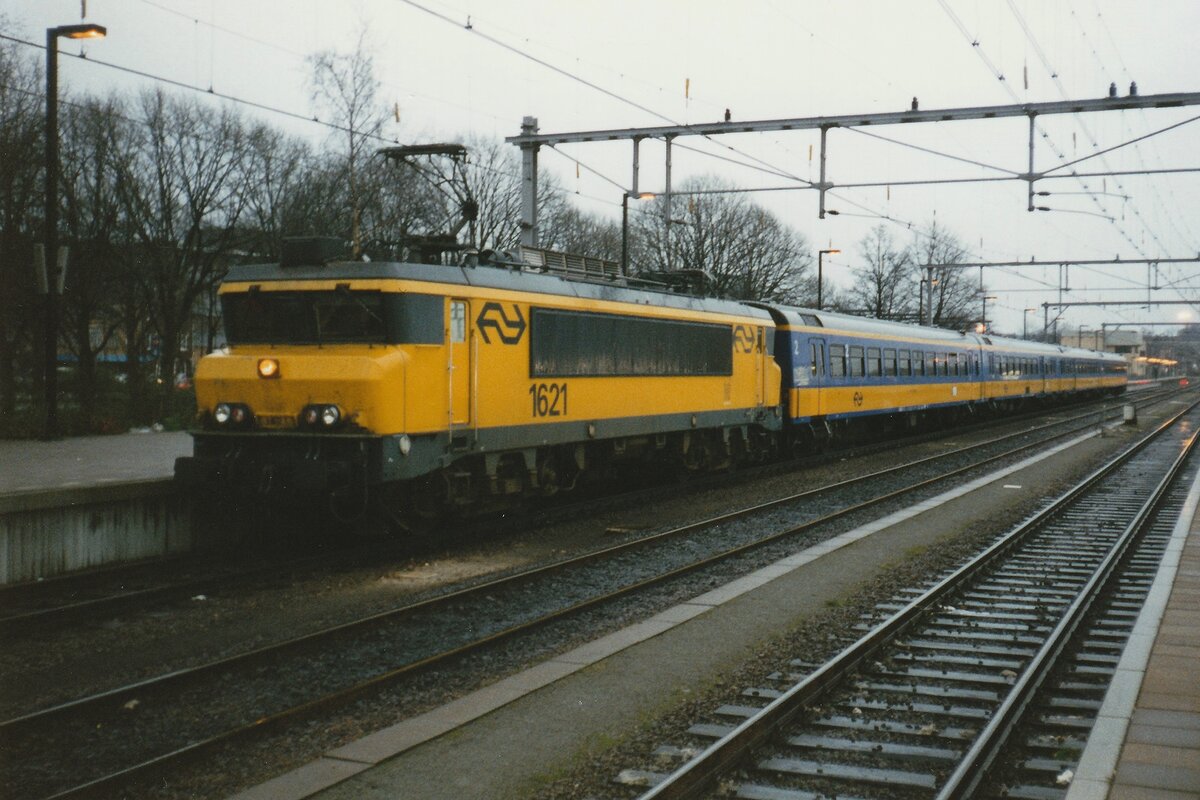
x: 413, y: 391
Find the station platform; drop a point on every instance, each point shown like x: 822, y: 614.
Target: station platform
x: 33, y: 466
x: 90, y: 502
x: 1146, y: 742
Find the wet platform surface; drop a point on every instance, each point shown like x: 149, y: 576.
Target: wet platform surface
x: 32, y: 465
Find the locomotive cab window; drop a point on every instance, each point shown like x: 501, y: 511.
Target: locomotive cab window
x: 341, y: 316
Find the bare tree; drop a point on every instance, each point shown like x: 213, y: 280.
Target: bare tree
x: 94, y: 136
x: 20, y: 222
x: 344, y: 85
x: 274, y: 174
x: 183, y: 199
x: 884, y: 286
x: 748, y: 252
x: 953, y: 294
x: 571, y: 230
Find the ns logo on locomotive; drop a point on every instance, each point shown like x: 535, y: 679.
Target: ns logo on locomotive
x: 404, y: 391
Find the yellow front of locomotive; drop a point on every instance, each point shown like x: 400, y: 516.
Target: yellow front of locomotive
x: 305, y: 357
x: 309, y: 400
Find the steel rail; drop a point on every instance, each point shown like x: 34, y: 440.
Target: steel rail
x: 979, y: 758
x: 115, y: 696
x: 697, y: 775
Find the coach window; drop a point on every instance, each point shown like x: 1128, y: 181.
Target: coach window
x: 889, y: 362
x: 856, y: 361
x: 818, y: 358
x: 837, y: 360
x: 458, y: 321
x: 873, y: 361
x: 952, y: 364
x: 905, y: 363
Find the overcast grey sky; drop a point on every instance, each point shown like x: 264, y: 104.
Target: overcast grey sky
x: 762, y: 59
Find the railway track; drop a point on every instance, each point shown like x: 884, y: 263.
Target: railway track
x: 984, y: 684
x: 60, y: 602
x: 133, y: 731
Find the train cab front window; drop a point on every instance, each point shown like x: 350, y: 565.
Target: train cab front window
x: 341, y: 316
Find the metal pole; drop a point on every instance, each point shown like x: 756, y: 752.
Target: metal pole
x: 929, y: 282
x: 50, y: 337
x: 1032, y: 126
x: 822, y: 185
x: 667, y: 204
x: 636, y: 164
x: 820, y: 275
x: 624, y: 234
x: 529, y: 184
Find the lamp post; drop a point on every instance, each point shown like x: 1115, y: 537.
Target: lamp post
x: 50, y: 342
x: 821, y: 274
x: 983, y: 313
x: 1025, y: 323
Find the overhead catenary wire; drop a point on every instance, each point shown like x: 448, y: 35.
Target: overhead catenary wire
x: 999, y: 75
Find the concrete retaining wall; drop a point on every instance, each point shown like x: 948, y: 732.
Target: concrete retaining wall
x: 52, y: 532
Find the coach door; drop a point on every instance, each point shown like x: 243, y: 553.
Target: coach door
x: 816, y: 379
x: 458, y: 348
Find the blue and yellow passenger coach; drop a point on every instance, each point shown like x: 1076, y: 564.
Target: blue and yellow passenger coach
x: 417, y: 388
x: 844, y: 375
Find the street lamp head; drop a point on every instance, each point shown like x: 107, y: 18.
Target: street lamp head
x: 827, y: 252
x: 86, y: 31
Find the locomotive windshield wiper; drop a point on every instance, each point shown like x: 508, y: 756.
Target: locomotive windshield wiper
x: 344, y: 289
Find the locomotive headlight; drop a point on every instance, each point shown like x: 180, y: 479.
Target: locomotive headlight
x: 238, y: 414
x: 222, y: 413
x: 312, y: 415
x: 268, y: 368
x: 330, y: 416
x: 405, y: 444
